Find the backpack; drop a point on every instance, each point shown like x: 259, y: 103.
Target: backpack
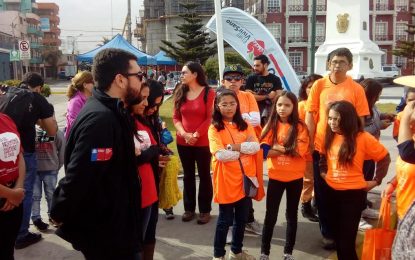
x: 16, y: 103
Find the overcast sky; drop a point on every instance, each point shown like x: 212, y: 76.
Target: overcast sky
x: 92, y: 19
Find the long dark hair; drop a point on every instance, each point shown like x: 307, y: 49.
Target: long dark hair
x: 156, y: 90
x: 217, y: 119
x: 350, y: 126
x: 140, y: 118
x: 302, y: 93
x: 294, y: 120
x: 372, y: 90
x: 179, y: 95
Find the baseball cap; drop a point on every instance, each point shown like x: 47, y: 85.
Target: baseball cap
x: 233, y: 68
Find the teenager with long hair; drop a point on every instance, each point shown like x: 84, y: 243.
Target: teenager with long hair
x: 285, y: 143
x: 346, y: 146
x: 193, y: 104
x: 234, y: 145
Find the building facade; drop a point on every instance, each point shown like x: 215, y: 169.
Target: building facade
x: 288, y: 20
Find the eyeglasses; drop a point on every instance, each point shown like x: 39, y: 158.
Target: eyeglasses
x: 340, y: 63
x: 225, y: 105
x: 230, y: 78
x: 139, y: 75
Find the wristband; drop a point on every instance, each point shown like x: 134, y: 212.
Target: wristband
x: 391, y: 183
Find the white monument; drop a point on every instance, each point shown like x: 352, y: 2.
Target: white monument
x: 347, y: 25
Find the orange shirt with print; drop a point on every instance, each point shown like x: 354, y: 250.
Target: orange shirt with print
x: 247, y: 103
x: 284, y: 167
x: 227, y: 176
x: 405, y: 188
x: 396, y: 124
x: 351, y: 177
x: 323, y: 93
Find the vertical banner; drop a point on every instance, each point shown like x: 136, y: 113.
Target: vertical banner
x: 250, y: 38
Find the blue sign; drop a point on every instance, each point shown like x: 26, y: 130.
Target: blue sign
x: 44, y: 24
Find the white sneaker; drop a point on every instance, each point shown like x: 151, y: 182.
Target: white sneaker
x: 218, y: 258
x: 229, y: 236
x: 363, y: 225
x: 254, y: 227
x: 288, y: 257
x: 370, y: 213
x: 241, y: 256
x: 264, y: 257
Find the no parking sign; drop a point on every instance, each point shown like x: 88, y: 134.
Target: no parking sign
x: 24, y: 48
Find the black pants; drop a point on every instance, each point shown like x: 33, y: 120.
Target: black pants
x: 345, y: 208
x: 274, y: 194
x: 9, y: 227
x: 150, y: 236
x: 99, y: 254
x: 189, y: 156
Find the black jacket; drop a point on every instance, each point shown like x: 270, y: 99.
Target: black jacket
x: 99, y: 200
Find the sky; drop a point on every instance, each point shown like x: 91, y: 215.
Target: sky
x: 90, y: 20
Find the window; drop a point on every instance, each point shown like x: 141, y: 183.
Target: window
x: 321, y: 5
x: 382, y: 5
x: 274, y: 6
x: 320, y: 32
x: 295, y: 5
x: 296, y: 60
x: 295, y: 32
x: 275, y: 30
x: 400, y: 61
x: 381, y: 29
x: 401, y: 34
x: 384, y: 56
x: 402, y: 5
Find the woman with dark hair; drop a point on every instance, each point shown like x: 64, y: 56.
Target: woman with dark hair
x: 193, y: 104
x: 285, y: 143
x: 346, y: 147
x: 308, y: 180
x: 234, y: 145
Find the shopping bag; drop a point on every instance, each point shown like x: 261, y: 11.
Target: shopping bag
x: 377, y: 243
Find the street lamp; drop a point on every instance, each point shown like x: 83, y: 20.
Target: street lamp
x: 73, y: 41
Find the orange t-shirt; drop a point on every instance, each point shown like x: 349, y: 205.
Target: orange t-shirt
x: 284, y: 167
x: 405, y: 189
x: 325, y: 92
x: 247, y: 103
x: 396, y: 124
x: 351, y: 177
x: 301, y: 109
x: 227, y: 176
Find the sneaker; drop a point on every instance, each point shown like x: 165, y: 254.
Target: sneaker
x: 241, y: 256
x: 328, y: 243
x: 169, y: 213
x: 203, y: 218
x: 218, y: 258
x: 254, y: 227
x: 229, y: 236
x: 264, y: 257
x: 307, y: 212
x: 29, y: 239
x: 370, y: 213
x: 188, y: 216
x: 288, y: 257
x: 363, y: 225
x: 40, y: 225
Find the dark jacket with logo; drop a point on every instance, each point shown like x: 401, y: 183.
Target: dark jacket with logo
x: 99, y: 199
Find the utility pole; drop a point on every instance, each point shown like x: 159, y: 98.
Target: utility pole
x: 15, y: 76
x: 129, y: 22
x: 313, y: 36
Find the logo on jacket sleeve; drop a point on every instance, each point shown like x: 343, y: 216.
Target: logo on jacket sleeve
x: 101, y: 154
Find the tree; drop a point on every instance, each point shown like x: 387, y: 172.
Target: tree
x: 104, y: 41
x: 51, y: 57
x: 195, y: 43
x: 406, y: 48
x: 212, y: 66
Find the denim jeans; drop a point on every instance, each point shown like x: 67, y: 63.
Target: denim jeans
x: 233, y: 213
x: 31, y: 169
x: 48, y: 179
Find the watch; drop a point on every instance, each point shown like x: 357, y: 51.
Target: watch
x: 229, y: 147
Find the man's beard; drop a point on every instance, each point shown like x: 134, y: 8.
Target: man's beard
x: 132, y: 97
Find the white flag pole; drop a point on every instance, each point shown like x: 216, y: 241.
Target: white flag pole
x: 219, y: 35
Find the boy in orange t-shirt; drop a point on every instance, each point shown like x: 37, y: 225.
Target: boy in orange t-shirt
x: 410, y: 96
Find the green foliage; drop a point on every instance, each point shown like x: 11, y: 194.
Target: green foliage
x: 11, y: 82
x: 46, y: 91
x: 51, y: 58
x: 195, y: 43
x: 104, y: 41
x: 212, y: 65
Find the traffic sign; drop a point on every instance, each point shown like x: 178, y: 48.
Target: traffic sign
x: 14, y: 55
x: 24, y: 48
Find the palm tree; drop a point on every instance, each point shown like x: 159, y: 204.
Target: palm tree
x: 105, y: 40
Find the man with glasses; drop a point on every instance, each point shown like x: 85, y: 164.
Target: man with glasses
x: 97, y: 203
x: 334, y: 87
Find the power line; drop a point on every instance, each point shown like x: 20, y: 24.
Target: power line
x: 80, y: 30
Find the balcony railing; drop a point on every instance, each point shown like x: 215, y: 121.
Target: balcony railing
x: 384, y: 7
x: 401, y: 37
x: 320, y: 38
x: 296, y: 39
x: 35, y: 45
x: 383, y: 37
x: 32, y: 30
x: 402, y: 8
x: 274, y: 9
x: 36, y: 60
x: 297, y: 8
x: 320, y: 8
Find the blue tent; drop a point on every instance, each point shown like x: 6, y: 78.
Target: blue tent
x: 120, y: 43
x: 162, y: 59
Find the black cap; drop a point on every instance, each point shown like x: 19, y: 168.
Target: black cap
x: 233, y: 68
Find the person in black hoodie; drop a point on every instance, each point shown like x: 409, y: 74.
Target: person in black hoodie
x: 97, y: 203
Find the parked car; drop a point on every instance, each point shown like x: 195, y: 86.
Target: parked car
x: 391, y: 71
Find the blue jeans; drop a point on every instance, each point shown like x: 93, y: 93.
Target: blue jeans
x: 48, y: 178
x: 31, y: 169
x: 233, y: 213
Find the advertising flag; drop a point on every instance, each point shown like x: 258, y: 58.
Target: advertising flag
x: 250, y: 38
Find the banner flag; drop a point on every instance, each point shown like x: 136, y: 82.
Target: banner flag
x: 250, y: 38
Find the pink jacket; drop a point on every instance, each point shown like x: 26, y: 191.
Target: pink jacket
x: 74, y: 106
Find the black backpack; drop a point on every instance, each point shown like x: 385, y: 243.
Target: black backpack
x: 16, y: 102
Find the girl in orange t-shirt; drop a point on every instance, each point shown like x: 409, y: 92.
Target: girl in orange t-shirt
x: 308, y: 180
x: 232, y: 142
x: 346, y: 147
x: 285, y: 142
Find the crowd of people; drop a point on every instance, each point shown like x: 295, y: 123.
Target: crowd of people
x: 322, y: 149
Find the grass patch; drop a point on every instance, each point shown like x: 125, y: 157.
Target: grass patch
x: 387, y: 107
x: 166, y: 114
